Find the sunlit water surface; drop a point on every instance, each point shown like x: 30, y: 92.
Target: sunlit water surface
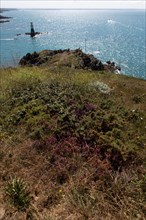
x: 116, y: 35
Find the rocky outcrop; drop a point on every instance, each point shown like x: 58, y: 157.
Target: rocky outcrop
x: 29, y: 33
x: 37, y: 59
x: 89, y: 61
x: 112, y: 66
x: 3, y: 19
x: 71, y: 58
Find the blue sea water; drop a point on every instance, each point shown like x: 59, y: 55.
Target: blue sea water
x: 116, y: 35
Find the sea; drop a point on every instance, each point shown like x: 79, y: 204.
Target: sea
x: 115, y: 35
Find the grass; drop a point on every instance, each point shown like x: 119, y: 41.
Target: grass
x: 18, y: 194
x: 77, y: 139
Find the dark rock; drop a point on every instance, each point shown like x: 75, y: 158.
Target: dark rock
x: 118, y: 68
x: 111, y: 66
x: 3, y: 21
x: 108, y: 62
x: 87, y: 61
x: 30, y: 59
x: 97, y: 66
x: 91, y: 62
x: 30, y: 34
x: 4, y: 17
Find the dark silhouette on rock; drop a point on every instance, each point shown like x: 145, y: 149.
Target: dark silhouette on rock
x: 32, y: 32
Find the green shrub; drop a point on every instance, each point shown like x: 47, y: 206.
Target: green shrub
x: 18, y: 194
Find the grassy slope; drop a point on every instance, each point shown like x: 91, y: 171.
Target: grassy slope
x: 79, y: 144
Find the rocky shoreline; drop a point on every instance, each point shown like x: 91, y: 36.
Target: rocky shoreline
x: 3, y: 19
x: 75, y: 59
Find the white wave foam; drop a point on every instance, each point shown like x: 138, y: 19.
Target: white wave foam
x: 96, y: 52
x: 7, y: 39
x: 117, y: 71
x: 124, y: 65
x: 110, y: 21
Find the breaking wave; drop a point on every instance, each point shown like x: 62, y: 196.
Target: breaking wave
x: 96, y: 52
x: 7, y: 39
x: 110, y: 21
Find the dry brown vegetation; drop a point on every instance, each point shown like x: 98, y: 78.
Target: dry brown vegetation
x: 77, y: 140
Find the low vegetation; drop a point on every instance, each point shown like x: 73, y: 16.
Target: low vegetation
x: 16, y: 191
x: 77, y: 139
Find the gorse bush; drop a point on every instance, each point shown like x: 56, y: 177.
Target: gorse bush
x: 18, y: 193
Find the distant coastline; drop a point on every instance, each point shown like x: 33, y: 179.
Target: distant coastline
x: 95, y: 9
x: 4, y: 19
x: 70, y: 9
x: 7, y: 9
